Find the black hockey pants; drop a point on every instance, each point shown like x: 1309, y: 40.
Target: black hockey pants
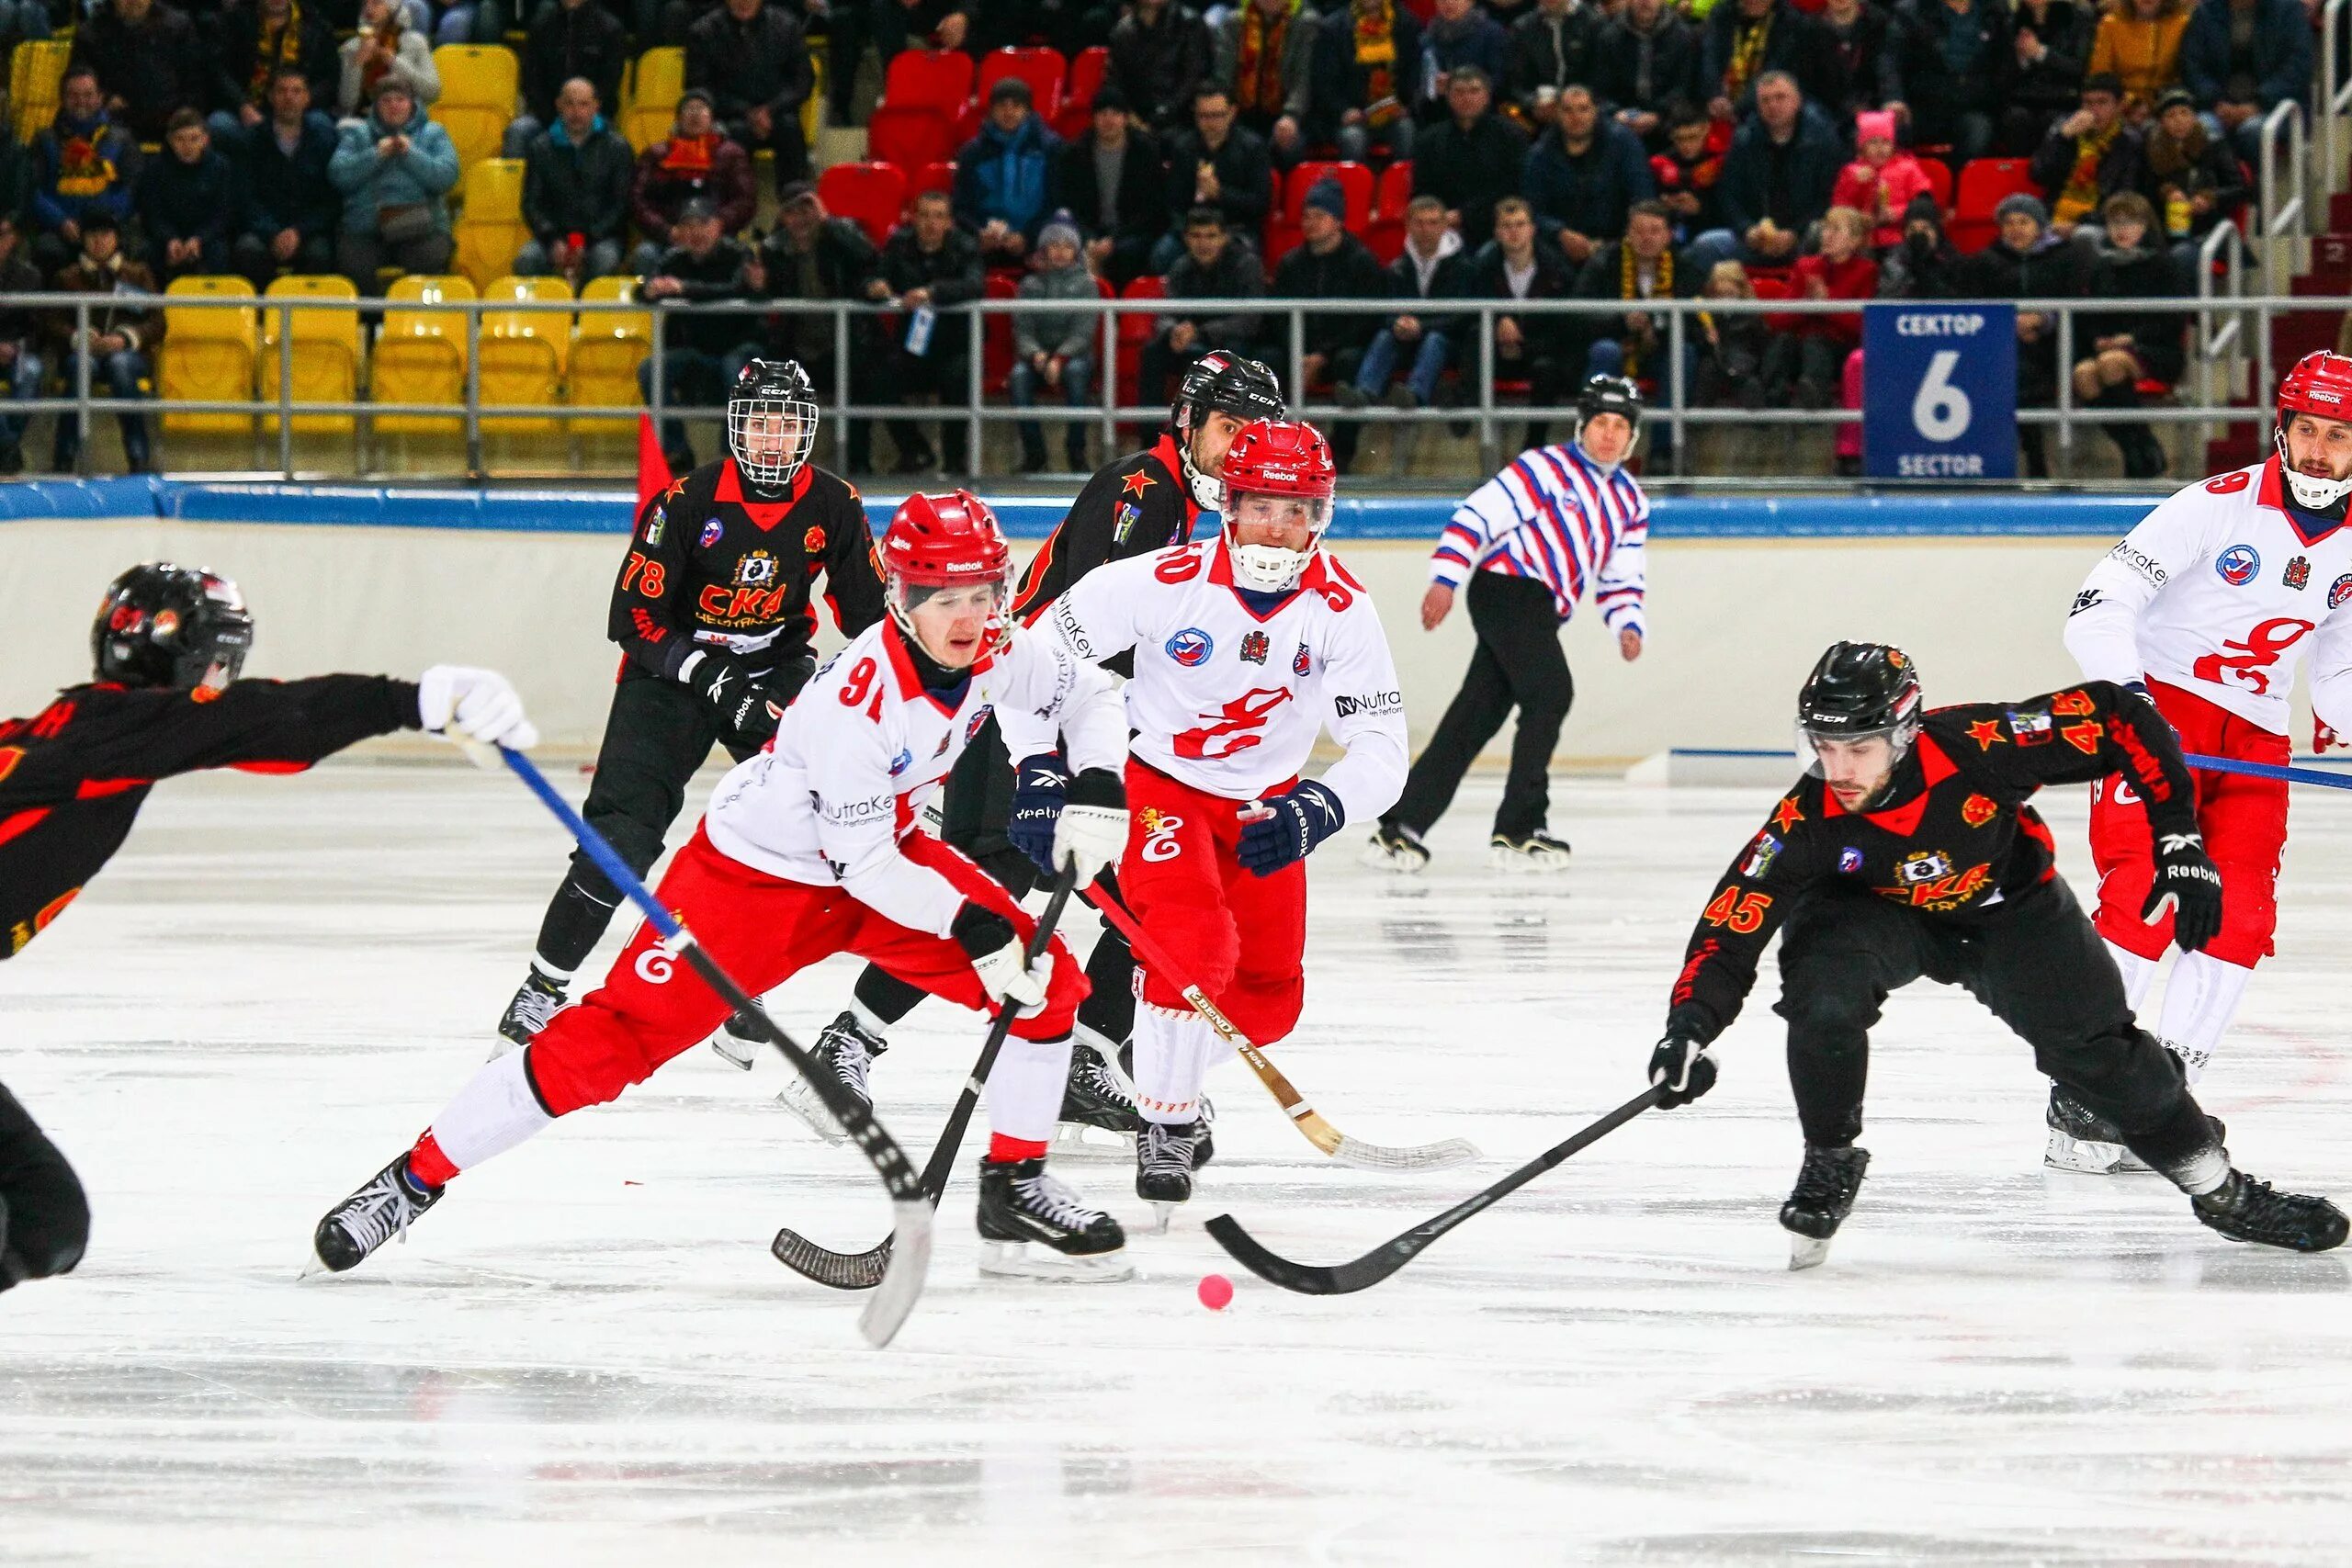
x: 1518, y: 663
x: 44, y: 1217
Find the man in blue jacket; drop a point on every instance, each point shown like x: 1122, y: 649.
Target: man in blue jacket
x: 1581, y: 178
x: 291, y: 206
x: 1776, y: 182
x: 83, y: 163
x: 2242, y: 59
x: 1008, y: 177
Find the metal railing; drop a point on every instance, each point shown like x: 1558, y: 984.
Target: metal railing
x: 2335, y: 101
x: 2286, y: 209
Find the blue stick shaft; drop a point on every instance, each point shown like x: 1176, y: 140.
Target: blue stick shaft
x: 2270, y: 771
x: 610, y: 864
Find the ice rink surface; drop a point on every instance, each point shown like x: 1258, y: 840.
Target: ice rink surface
x: 584, y: 1356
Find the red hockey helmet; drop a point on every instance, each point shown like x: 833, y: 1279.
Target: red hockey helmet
x: 938, y: 542
x: 1277, y: 472
x: 2319, y: 385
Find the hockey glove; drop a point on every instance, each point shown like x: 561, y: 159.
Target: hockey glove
x: 992, y: 944
x: 2187, y: 885
x: 738, y: 701
x: 1038, y: 788
x: 459, y: 704
x: 1288, y: 826
x: 1093, y: 829
x: 1684, y: 1067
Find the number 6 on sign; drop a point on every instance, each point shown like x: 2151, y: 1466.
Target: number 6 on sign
x: 1940, y: 410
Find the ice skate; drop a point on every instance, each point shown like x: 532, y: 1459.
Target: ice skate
x: 538, y: 1000
x: 1098, y: 1114
x: 384, y: 1208
x: 2083, y: 1141
x: 1166, y: 1157
x: 2245, y: 1210
x: 1538, y: 852
x: 1399, y: 849
x: 1824, y: 1196
x: 1033, y: 1227
x: 847, y: 1051
x: 739, y: 1042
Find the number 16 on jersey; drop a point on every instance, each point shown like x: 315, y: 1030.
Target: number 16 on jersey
x: 1939, y: 386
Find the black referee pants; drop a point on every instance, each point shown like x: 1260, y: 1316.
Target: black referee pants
x: 44, y: 1217
x: 1518, y: 664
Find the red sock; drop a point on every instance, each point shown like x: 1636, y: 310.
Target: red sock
x: 427, y: 1165
x: 1002, y: 1150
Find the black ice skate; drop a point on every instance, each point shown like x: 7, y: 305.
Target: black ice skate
x: 382, y: 1208
x: 847, y: 1051
x: 1020, y: 1204
x: 2245, y: 1210
x: 1823, y: 1197
x: 1166, y: 1157
x: 1397, y: 849
x: 1098, y: 1114
x: 535, y: 1001
x: 1538, y: 851
x: 739, y: 1042
x: 2081, y: 1140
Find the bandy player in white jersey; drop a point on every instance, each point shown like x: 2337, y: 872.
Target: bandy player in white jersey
x: 2212, y: 601
x: 1246, y: 647
x: 809, y: 848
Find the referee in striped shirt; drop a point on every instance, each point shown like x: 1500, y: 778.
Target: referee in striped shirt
x: 1529, y: 542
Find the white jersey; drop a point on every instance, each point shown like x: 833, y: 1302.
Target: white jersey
x: 2220, y: 591
x: 1230, y: 701
x: 829, y: 799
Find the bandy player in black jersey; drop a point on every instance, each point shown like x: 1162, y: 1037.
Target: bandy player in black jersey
x: 713, y: 611
x: 168, y: 643
x: 1908, y: 850
x: 1144, y: 501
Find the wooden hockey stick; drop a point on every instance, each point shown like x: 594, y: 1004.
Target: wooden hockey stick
x: 1305, y: 1117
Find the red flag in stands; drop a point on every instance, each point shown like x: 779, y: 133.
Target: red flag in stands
x: 653, y: 474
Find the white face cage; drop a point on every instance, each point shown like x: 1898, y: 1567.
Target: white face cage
x: 1271, y: 568
x: 770, y: 439
x: 2311, y: 494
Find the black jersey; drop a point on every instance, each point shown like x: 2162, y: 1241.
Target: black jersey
x: 73, y: 776
x: 709, y: 568
x: 1132, y: 507
x: 1953, y: 841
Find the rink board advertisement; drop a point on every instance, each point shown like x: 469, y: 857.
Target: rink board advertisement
x: 1940, y: 386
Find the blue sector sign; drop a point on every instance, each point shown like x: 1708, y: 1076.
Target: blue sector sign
x: 1939, y: 391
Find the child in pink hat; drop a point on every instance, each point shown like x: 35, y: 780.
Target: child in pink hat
x: 1882, y: 182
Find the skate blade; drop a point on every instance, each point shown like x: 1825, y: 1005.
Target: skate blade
x: 734, y: 1052
x: 2081, y: 1155
x: 1023, y: 1260
x: 1807, y: 1252
x: 1162, y: 1216
x: 1512, y: 864
x: 501, y: 1047
x: 1377, y: 859
x: 1081, y: 1140
x: 818, y: 1119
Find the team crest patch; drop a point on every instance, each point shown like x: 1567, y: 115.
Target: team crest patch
x: 813, y: 542
x: 972, y: 727
x: 1849, y: 861
x: 901, y: 762
x: 2238, y: 565
x: 755, y: 570
x: 655, y: 525
x: 1300, y: 662
x: 1190, y: 648
x: 1123, y: 519
x: 2340, y: 590
x: 1760, y: 856
x: 2031, y: 729
x: 2298, y: 572
x: 711, y: 531
x: 1253, y: 648
x: 1976, y: 810
x: 1924, y: 866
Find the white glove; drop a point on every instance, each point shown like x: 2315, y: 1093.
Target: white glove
x: 459, y: 704
x: 1095, y: 836
x: 1005, y: 981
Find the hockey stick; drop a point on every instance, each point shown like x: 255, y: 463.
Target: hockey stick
x: 864, y: 1270
x: 909, y: 1257
x: 1309, y: 1121
x: 1345, y: 1278
x: 2270, y: 771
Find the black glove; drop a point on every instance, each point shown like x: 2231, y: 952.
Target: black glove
x: 2187, y: 885
x: 1038, y: 788
x: 1295, y: 821
x: 741, y: 702
x: 1684, y: 1067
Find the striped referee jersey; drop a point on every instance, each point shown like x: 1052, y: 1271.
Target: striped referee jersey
x: 1554, y: 515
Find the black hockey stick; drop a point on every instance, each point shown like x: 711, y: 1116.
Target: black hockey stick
x: 909, y: 1258
x: 1345, y: 1278
x: 864, y: 1270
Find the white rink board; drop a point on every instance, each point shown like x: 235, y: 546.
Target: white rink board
x: 584, y: 1356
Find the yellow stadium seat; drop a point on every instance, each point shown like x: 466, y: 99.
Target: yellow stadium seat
x: 606, y: 352
x: 34, y: 71
x: 326, y: 351
x: 523, y: 352
x: 812, y: 107
x: 651, y: 99
x: 208, y: 355
x: 478, y: 87
x: 491, y: 230
x: 493, y: 188
x: 420, y: 354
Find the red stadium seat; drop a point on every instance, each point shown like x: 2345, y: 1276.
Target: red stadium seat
x: 872, y: 194
x: 1939, y: 175
x: 939, y: 176
x: 908, y: 137
x: 1396, y: 190
x: 928, y: 78
x: 1086, y: 73
x: 996, y: 337
x: 1767, y: 287
x: 965, y: 126
x: 1984, y: 182
x: 1385, y: 237
x: 1134, y: 331
x: 1043, y: 69
x: 1355, y: 184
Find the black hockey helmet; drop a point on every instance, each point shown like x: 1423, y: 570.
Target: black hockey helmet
x: 1611, y: 394
x: 1220, y: 381
x: 771, y: 422
x: 1859, y: 690
x: 173, y: 627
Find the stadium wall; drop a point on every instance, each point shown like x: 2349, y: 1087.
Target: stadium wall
x: 1743, y: 594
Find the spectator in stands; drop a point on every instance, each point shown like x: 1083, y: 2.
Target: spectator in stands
x: 83, y: 163
x: 191, y: 202
x: 149, y: 60
x: 1777, y: 179
x: 120, y: 341
x: 1731, y: 344
x: 1422, y: 343
x: 2194, y: 179
x: 1365, y: 54
x: 2052, y: 44
x: 1882, y: 183
x: 1859, y: 36
x: 1515, y: 265
x: 1008, y: 177
x: 385, y: 41
x: 2028, y: 261
x: 22, y: 21
x: 1747, y: 40
x: 17, y: 173
x: 1470, y: 160
x: 811, y: 254
x: 1642, y: 266
x: 1457, y: 34
x: 1216, y: 265
x: 1926, y: 265
x: 1955, y: 60
x: 292, y: 208
x: 2088, y: 157
x: 1328, y: 263
x: 1055, y: 352
x: 901, y: 24
x: 1553, y: 47
x: 1160, y: 52
x: 575, y: 192
x: 1688, y: 172
x: 1217, y: 163
x: 394, y: 169
x: 21, y: 362
x: 2138, y: 41
x: 568, y: 39
x: 1114, y: 184
x: 701, y: 352
x: 930, y: 264
x: 2129, y: 346
x: 2242, y: 59
x: 752, y: 57
x: 1645, y: 62
x: 1265, y: 61
x: 254, y: 38
x: 695, y: 160
x: 1808, y: 351
x: 1582, y: 176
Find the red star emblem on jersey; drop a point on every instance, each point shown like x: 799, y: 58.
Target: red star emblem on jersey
x: 1987, y: 733
x: 1786, y: 815
x: 1977, y: 811
x: 677, y: 487
x: 1134, y: 484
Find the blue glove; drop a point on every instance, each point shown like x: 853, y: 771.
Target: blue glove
x: 1295, y: 821
x: 1037, y: 789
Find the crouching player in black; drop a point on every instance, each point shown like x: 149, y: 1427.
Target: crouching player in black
x: 712, y: 612
x: 1908, y: 852
x: 168, y: 643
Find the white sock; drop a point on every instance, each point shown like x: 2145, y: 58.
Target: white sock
x: 1025, y: 1087
x: 2200, y: 1001
x: 870, y: 1022
x: 550, y: 973
x: 490, y: 1115
x: 1174, y: 1050
x: 2211, y: 1170
x: 2138, y: 973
